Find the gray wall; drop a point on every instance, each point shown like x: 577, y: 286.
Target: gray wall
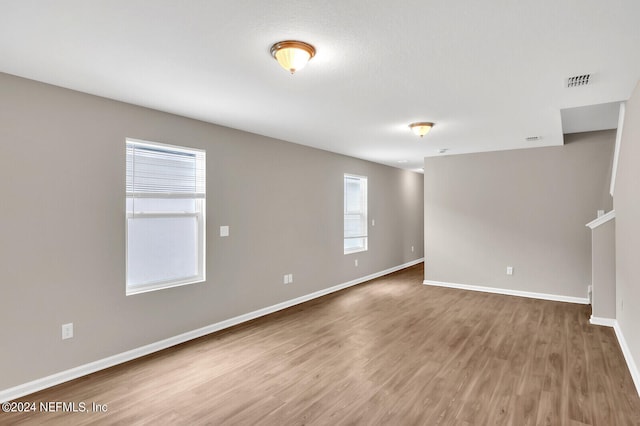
x: 522, y: 208
x: 603, y: 267
x: 62, y: 255
x: 626, y: 200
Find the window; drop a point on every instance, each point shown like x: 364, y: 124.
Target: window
x: 165, y: 216
x: 355, y: 214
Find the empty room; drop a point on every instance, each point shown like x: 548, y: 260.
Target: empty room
x: 299, y: 212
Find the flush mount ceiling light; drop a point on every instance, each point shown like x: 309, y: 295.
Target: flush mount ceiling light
x: 292, y: 55
x: 421, y: 129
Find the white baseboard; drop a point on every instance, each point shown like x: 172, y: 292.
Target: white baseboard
x: 607, y: 322
x: 73, y: 373
x: 633, y: 368
x: 544, y: 296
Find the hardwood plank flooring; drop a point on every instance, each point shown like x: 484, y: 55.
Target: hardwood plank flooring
x: 390, y: 351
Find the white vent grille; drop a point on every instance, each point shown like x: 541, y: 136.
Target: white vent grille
x: 578, y: 80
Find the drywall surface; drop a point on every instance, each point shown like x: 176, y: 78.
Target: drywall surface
x: 523, y: 208
x: 603, y: 265
x: 62, y: 256
x: 626, y: 200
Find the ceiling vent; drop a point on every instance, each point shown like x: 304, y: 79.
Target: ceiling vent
x: 533, y: 138
x: 578, y: 80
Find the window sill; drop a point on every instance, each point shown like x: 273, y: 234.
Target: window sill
x: 161, y: 286
x: 355, y: 251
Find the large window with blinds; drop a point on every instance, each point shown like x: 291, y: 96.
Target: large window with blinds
x: 355, y: 214
x: 165, y: 208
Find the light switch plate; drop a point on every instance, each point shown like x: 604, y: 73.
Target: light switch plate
x: 67, y: 331
x: 224, y: 231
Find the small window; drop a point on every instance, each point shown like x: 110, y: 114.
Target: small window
x: 355, y: 214
x: 165, y: 210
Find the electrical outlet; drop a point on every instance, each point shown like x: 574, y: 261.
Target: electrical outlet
x: 412, y: 249
x: 356, y: 262
x: 290, y: 278
x: 509, y: 270
x: 285, y: 279
x: 224, y: 231
x: 67, y: 331
x: 373, y: 222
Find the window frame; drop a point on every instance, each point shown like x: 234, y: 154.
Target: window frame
x: 364, y: 220
x: 199, y: 214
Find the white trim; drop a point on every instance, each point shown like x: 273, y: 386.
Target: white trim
x: 602, y: 219
x: 198, y: 195
x: 163, y: 195
x: 616, y: 153
x: 92, y: 367
x: 358, y: 249
x: 149, y: 144
x: 633, y: 369
x: 607, y: 322
x: 544, y: 296
x: 363, y: 213
x: 146, y: 288
x: 156, y: 215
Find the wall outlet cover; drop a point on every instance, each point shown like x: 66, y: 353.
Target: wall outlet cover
x: 67, y: 331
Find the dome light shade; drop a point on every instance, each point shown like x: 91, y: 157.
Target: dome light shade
x: 292, y: 55
x: 421, y: 129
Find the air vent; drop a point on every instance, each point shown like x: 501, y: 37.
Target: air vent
x: 533, y: 138
x: 578, y: 80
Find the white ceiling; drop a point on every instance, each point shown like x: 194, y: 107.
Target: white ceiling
x: 488, y: 73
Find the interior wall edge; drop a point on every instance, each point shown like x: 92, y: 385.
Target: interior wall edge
x: 509, y: 292
x: 628, y: 357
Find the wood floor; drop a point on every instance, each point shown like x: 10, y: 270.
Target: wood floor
x: 390, y: 351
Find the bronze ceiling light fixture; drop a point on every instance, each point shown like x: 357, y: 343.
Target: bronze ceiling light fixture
x: 292, y: 55
x: 421, y: 128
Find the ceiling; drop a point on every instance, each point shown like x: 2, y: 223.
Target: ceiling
x: 489, y: 74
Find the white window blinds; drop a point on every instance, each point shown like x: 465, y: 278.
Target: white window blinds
x: 157, y: 170
x: 355, y: 214
x: 165, y: 210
